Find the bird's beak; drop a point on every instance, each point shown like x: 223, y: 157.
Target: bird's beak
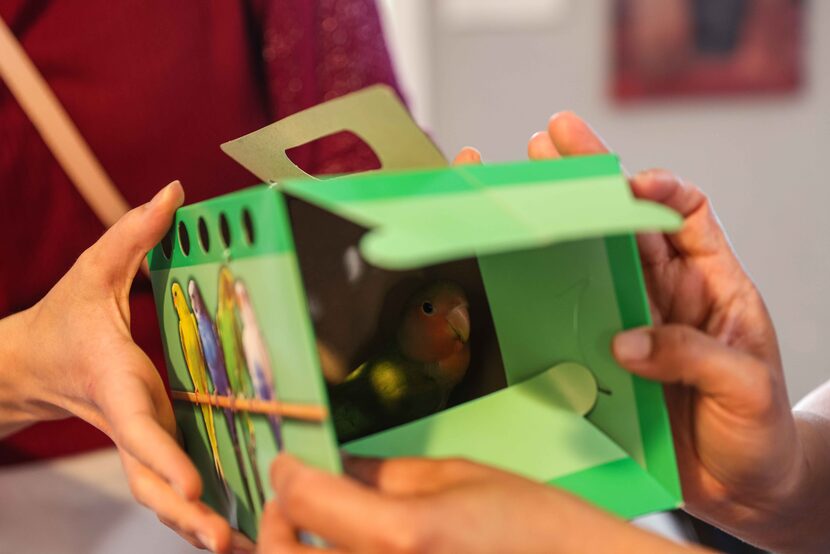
x: 459, y: 320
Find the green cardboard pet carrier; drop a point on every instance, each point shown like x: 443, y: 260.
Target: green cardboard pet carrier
x: 262, y: 283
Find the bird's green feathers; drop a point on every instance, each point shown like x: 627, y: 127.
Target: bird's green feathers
x: 386, y: 391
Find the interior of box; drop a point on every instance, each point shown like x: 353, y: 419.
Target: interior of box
x: 356, y: 307
x: 560, y: 275
x: 550, y: 307
x: 539, y: 297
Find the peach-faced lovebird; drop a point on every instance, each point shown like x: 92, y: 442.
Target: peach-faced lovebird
x: 215, y: 360
x: 256, y: 357
x: 227, y: 323
x: 195, y: 361
x: 412, y: 377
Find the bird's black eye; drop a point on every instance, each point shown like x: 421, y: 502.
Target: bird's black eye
x: 428, y: 308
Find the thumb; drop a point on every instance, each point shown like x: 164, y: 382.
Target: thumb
x: 275, y: 533
x: 678, y: 354
x: 121, y: 250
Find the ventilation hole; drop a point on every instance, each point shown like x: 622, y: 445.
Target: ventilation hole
x: 167, y: 244
x: 248, y: 226
x: 224, y: 230
x: 204, y: 236
x: 361, y: 156
x: 184, y: 239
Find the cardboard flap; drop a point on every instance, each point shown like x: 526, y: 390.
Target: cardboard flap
x: 534, y: 428
x: 374, y: 114
x: 427, y: 217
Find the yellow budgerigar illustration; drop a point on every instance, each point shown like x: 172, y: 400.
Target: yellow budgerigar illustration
x: 195, y: 361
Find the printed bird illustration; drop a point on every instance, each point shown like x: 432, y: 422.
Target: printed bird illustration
x: 215, y: 361
x: 256, y: 357
x: 414, y: 376
x: 227, y: 323
x: 195, y: 361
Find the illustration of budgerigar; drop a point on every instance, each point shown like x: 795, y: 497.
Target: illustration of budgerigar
x: 228, y: 327
x: 195, y: 361
x: 256, y: 357
x: 413, y: 375
x: 215, y: 360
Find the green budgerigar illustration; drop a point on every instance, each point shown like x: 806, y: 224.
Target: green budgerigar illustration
x: 228, y: 327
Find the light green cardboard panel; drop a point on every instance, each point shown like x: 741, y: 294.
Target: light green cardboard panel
x: 531, y: 428
x: 374, y: 114
x: 562, y: 307
x: 428, y: 217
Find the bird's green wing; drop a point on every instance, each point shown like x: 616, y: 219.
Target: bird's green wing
x: 384, y: 392
x: 404, y: 388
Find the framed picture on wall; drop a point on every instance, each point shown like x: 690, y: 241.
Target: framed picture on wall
x: 667, y: 48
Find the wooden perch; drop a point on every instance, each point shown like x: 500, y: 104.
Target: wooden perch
x: 304, y: 412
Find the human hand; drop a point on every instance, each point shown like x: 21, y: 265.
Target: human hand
x: 693, y: 276
x: 740, y: 458
x: 417, y: 505
x: 72, y: 354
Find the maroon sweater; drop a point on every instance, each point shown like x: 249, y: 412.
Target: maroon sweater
x: 155, y: 86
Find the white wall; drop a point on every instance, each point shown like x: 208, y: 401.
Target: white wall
x: 762, y: 160
x: 407, y: 26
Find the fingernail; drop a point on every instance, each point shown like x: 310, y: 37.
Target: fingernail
x: 281, y: 465
x: 269, y: 508
x: 177, y: 488
x: 209, y: 543
x: 242, y: 549
x: 160, y: 195
x: 633, y: 346
x: 240, y: 544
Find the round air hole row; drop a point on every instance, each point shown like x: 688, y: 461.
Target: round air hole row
x: 204, y: 235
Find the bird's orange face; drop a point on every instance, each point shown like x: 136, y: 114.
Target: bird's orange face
x: 436, y: 323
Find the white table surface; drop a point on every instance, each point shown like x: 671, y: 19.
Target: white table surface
x: 83, y: 505
x: 80, y: 504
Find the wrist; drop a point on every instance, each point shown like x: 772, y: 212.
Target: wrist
x: 25, y: 377
x: 14, y: 373
x: 802, y: 526
x: 790, y: 518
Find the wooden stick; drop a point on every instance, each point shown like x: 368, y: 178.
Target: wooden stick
x: 58, y: 130
x: 305, y: 412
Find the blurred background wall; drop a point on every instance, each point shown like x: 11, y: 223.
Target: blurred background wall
x: 490, y: 73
